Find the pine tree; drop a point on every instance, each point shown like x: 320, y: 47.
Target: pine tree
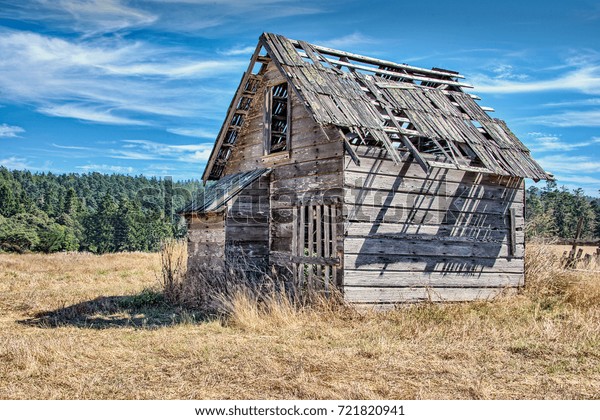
x: 125, y: 227
x: 9, y: 205
x: 71, y: 203
x: 596, y: 210
x: 99, y: 226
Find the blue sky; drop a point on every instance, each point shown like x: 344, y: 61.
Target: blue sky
x: 142, y: 86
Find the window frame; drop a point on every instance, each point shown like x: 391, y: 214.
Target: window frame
x: 268, y: 121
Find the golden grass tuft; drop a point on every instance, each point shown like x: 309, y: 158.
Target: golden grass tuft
x: 543, y: 343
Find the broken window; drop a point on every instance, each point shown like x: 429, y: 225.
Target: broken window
x: 277, y: 119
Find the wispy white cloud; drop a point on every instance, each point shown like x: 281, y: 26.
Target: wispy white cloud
x: 575, y: 103
x: 193, y: 132
x: 106, y: 168
x: 14, y: 162
x: 504, y: 71
x: 10, y: 130
x: 60, y: 146
x: 590, y: 184
x: 238, y: 50
x: 133, y: 155
x: 108, y: 80
x: 198, y: 69
x: 96, y: 17
x: 585, y: 79
x: 181, y: 152
x: 151, y: 150
x: 553, y: 143
x: 106, y: 15
x: 583, y: 179
x: 569, y: 164
x: 88, y: 114
x: 567, y: 119
x: 162, y: 168
x: 347, y: 41
x: 86, y: 16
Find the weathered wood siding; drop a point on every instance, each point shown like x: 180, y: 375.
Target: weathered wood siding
x: 311, y: 168
x: 206, y: 238
x: 247, y: 225
x: 444, y: 236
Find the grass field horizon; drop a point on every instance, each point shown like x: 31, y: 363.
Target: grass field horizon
x: 84, y: 326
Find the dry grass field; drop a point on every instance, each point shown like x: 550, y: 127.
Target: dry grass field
x: 80, y: 326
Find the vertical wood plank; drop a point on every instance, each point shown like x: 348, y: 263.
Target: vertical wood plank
x: 300, y: 249
x: 295, y: 230
x: 295, y: 240
x: 301, y: 232
x: 334, y: 241
x: 311, y: 243
x: 319, y: 238
x: 513, y: 232
x: 288, y: 137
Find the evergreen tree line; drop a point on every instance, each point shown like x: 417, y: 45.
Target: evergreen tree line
x: 91, y: 212
x: 552, y: 212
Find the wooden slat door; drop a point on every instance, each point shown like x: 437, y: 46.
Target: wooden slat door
x: 314, y: 254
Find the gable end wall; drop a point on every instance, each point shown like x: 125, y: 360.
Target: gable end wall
x: 312, y: 168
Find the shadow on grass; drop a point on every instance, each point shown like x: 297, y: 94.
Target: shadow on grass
x: 146, y: 309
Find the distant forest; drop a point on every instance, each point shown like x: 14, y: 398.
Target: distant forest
x: 91, y: 212
x: 111, y: 213
x: 552, y: 212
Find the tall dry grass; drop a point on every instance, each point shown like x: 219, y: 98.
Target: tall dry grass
x: 547, y: 280
x: 543, y: 343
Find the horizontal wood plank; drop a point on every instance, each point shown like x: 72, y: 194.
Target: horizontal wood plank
x: 391, y: 279
x: 441, y: 248
x: 403, y: 216
x: 435, y: 294
x: 437, y: 230
x: 430, y: 186
x: 382, y: 199
x: 381, y: 263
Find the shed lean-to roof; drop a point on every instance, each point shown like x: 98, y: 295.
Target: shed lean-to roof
x: 395, y: 105
x: 215, y: 196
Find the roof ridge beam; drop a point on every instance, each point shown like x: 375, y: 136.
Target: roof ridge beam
x: 410, y: 76
x: 376, y: 61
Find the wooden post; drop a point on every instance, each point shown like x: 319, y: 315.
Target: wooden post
x: 572, y: 257
x: 327, y: 243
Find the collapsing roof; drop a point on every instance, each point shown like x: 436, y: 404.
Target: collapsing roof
x: 214, y: 197
x: 408, y: 110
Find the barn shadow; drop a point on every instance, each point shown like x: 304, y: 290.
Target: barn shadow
x: 146, y: 309
x: 458, y: 229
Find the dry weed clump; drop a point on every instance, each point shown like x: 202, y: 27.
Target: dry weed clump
x: 173, y: 264
x: 213, y: 288
x: 236, y: 288
x: 544, y: 277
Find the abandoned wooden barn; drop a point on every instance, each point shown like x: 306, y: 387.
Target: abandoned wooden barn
x: 386, y: 180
